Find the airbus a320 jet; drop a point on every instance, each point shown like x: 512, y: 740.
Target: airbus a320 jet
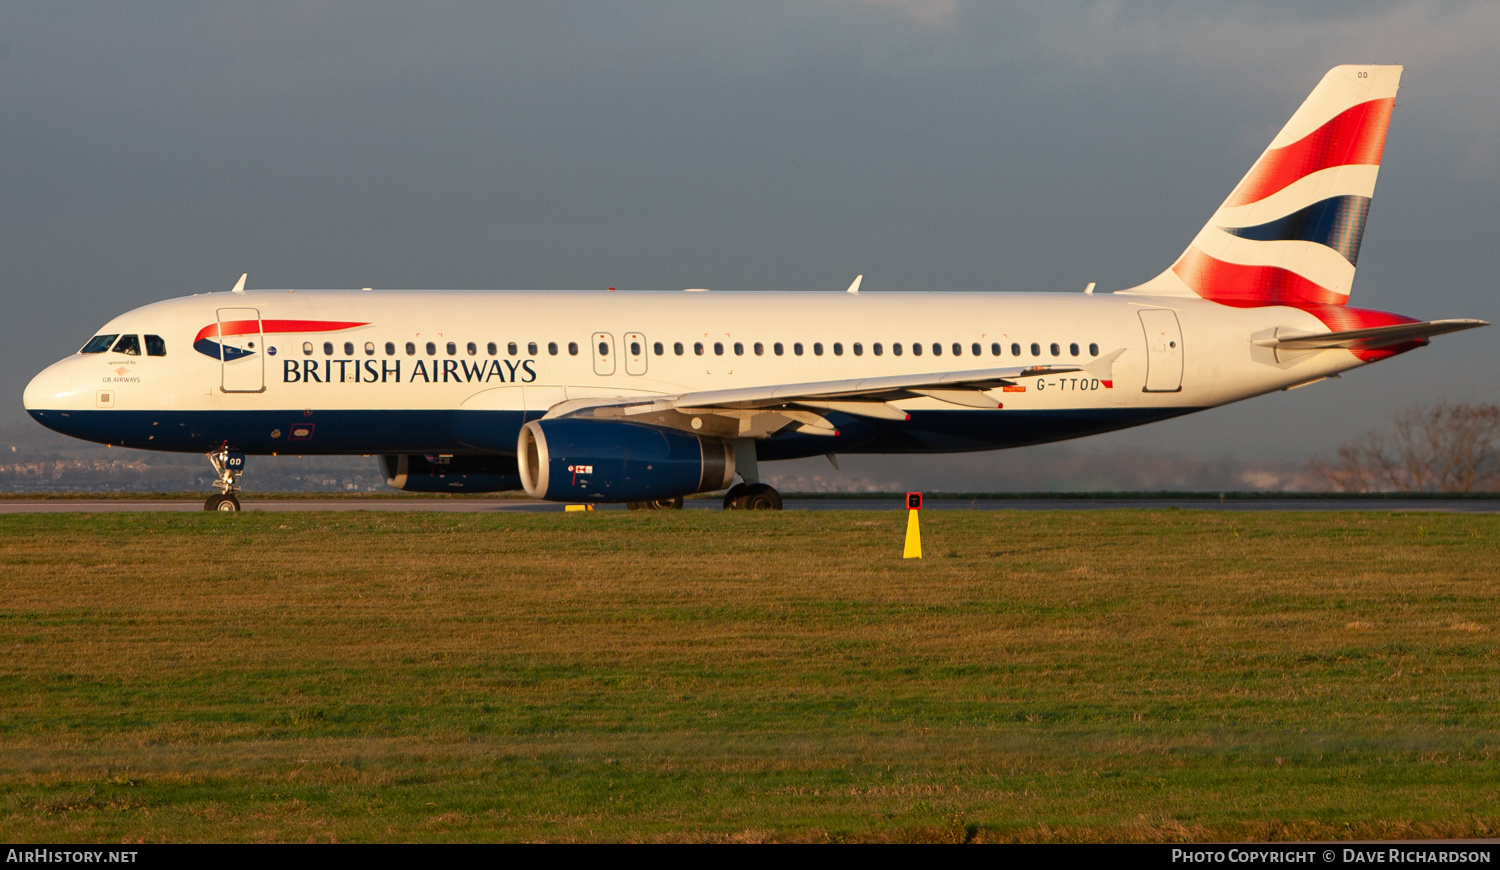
x: 646, y: 397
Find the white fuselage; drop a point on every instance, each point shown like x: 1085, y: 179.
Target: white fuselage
x: 418, y: 356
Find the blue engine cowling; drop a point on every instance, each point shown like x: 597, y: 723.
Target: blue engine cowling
x: 609, y: 461
x: 413, y: 473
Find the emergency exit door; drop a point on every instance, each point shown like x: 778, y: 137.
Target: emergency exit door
x: 604, y: 353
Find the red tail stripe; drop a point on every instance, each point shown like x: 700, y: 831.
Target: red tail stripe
x: 1354, y: 137
x: 246, y: 327
x: 1250, y: 286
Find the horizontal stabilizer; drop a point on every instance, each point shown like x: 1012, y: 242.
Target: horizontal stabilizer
x: 1373, y: 337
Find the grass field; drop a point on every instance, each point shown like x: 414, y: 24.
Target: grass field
x: 1101, y: 675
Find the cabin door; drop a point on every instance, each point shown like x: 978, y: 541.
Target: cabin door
x: 241, y: 351
x: 1163, y: 350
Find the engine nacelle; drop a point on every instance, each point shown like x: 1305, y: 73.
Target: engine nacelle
x: 415, y: 473
x: 605, y: 460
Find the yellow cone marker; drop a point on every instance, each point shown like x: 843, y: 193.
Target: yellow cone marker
x: 578, y: 507
x: 913, y: 530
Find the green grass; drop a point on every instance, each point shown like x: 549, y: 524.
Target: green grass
x: 1100, y: 675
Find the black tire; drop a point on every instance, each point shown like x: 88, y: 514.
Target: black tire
x: 223, y: 503
x: 660, y: 504
x: 732, y: 497
x: 761, y: 497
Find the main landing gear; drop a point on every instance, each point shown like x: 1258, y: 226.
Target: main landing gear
x: 752, y: 497
x: 229, y: 465
x: 661, y: 504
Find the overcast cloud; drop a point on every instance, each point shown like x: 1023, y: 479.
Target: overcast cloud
x: 153, y: 151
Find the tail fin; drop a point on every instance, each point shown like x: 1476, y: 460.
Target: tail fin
x: 1289, y: 233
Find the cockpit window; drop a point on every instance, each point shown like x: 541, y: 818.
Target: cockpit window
x: 155, y: 346
x: 99, y: 343
x: 128, y: 344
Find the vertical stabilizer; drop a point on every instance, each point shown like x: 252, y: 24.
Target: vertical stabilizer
x: 1289, y: 233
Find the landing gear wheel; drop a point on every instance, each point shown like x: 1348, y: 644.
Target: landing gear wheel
x: 752, y: 497
x: 761, y: 497
x: 226, y: 503
x: 660, y: 504
x: 228, y: 465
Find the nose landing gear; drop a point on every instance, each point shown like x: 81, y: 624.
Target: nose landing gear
x: 229, y: 465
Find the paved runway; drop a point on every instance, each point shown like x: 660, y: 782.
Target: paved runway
x: 1483, y: 506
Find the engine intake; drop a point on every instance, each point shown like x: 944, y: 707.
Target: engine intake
x: 608, y: 461
x: 416, y: 473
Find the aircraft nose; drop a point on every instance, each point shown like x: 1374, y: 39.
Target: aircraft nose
x: 51, y: 388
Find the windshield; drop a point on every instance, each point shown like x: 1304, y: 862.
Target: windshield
x: 99, y: 343
x: 129, y: 345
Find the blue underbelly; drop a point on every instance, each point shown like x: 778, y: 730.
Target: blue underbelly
x: 453, y: 431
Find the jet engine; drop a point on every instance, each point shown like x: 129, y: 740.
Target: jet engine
x: 416, y: 473
x: 609, y: 461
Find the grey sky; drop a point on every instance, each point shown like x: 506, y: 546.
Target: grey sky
x: 152, y: 151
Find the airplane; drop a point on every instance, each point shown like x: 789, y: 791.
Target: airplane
x: 647, y: 397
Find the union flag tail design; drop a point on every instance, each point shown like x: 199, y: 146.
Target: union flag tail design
x: 1289, y: 233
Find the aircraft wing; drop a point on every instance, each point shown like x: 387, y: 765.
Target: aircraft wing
x: 1379, y: 336
x: 759, y: 412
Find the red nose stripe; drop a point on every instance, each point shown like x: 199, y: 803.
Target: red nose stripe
x: 249, y: 327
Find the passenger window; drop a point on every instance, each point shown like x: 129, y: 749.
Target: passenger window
x: 572, y: 348
x: 369, y: 348
x: 760, y: 349
x: 698, y: 348
x: 797, y: 348
x: 1073, y: 348
x: 552, y: 348
x: 739, y: 349
x: 472, y: 348
x: 155, y: 346
x: 876, y: 348
x: 511, y: 349
x: 776, y: 348
x: 129, y: 345
x: 1015, y: 349
x: 431, y: 349
x: 1056, y: 351
x: 859, y: 349
x: 604, y: 348
x: 390, y: 348
x: 976, y: 349
x: 491, y: 349
x: 718, y: 348
x: 99, y: 343
x: 958, y: 349
x: 411, y: 348
x: 677, y: 348
x: 818, y: 348
x: 1093, y: 350
x: 937, y: 349
x: 896, y: 348
x: 531, y: 348
x: 916, y: 348
x: 328, y: 348
x: 658, y: 349
x: 635, y: 348
x: 995, y: 349
x: 348, y: 348
x: 1036, y: 349
x: 838, y: 349
x: 451, y: 348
